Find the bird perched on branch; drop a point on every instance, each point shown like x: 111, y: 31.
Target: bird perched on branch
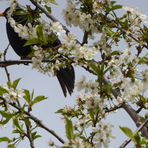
x: 66, y: 76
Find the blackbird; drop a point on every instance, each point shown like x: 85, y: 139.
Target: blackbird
x: 65, y: 76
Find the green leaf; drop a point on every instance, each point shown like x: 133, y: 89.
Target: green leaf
x: 91, y: 113
x: 3, y: 122
x: 52, y: 2
x: 137, y: 138
x: 116, y: 7
x: 2, y: 91
x: 143, y: 60
x: 27, y: 96
x: 69, y: 129
x: 94, y: 67
x: 35, y: 135
x: 16, y: 131
x: 15, y: 83
x: 5, y: 139
x: 42, y: 38
x: 9, y: 84
x: 6, y: 115
x: 17, y: 125
x: 27, y: 121
x: 11, y: 146
x: 38, y: 99
x: 128, y: 132
x: 115, y: 53
x: 32, y: 42
x: 48, y: 9
x: 60, y: 111
x: 39, y: 31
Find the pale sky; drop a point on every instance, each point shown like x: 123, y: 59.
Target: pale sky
x: 49, y: 86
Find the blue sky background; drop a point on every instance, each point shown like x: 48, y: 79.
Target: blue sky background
x: 49, y: 86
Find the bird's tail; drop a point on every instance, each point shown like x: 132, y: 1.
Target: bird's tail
x: 66, y: 77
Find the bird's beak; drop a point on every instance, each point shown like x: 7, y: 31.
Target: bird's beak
x: 1, y: 14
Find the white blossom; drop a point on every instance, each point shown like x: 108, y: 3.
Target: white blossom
x: 102, y: 135
x: 12, y: 94
x: 57, y: 28
x: 135, y: 16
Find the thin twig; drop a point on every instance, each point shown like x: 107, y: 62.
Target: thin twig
x: 113, y: 108
x: 51, y: 17
x: 29, y: 135
x: 127, y: 107
x: 85, y: 38
x: 131, y: 112
x: 38, y: 122
x: 139, y: 129
x: 18, y: 62
x: 5, y: 67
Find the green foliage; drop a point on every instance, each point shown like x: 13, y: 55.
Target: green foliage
x: 16, y: 113
x: 37, y: 100
x: 128, y: 133
x: 69, y: 129
x: 137, y: 139
x: 83, y: 122
x: 7, y: 116
x: 53, y: 2
x: 5, y: 139
x: 30, y: 100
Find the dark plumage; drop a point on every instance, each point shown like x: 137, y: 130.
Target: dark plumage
x: 66, y: 76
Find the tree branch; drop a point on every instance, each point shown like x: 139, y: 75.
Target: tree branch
x: 18, y: 62
x: 48, y: 14
x: 29, y: 135
x: 132, y: 113
x: 113, y: 108
x: 38, y: 122
x: 139, y: 129
x: 85, y: 38
x: 51, y: 17
x: 5, y: 67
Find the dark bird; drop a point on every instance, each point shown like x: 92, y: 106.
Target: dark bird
x: 66, y: 76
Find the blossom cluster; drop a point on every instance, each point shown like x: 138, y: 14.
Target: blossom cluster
x: 78, y: 142
x: 126, y: 76
x: 90, y: 111
x: 46, y: 62
x: 103, y: 134
x: 135, y: 16
x: 24, y: 31
x: 69, y: 46
x: 89, y: 97
x: 86, y: 22
x: 11, y: 94
x: 73, y: 49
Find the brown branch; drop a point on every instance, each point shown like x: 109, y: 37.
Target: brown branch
x: 18, y: 62
x: 139, y: 129
x: 85, y: 38
x: 37, y: 121
x: 51, y: 17
x: 29, y: 135
x: 112, y: 109
x: 5, y: 67
x: 132, y: 113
